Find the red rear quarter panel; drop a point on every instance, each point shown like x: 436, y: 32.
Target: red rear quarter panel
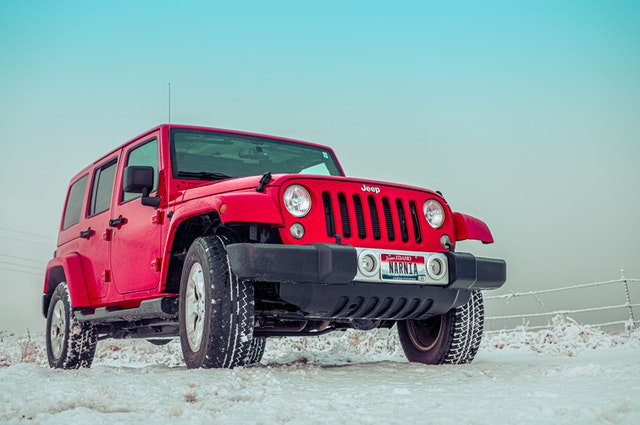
x: 71, y: 264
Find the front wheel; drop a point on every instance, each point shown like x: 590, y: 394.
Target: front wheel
x: 450, y: 338
x: 256, y: 351
x: 71, y: 344
x: 216, y: 309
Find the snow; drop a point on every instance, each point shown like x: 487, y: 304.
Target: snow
x: 570, y: 374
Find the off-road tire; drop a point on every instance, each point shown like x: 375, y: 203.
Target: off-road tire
x: 71, y: 344
x: 256, y: 351
x: 451, y: 338
x: 216, y: 311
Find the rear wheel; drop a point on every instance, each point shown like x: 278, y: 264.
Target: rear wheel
x: 216, y: 309
x: 450, y: 338
x: 71, y: 344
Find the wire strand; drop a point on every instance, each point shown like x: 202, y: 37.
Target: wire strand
x: 27, y: 233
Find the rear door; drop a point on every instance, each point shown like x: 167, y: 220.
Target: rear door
x: 94, y: 228
x: 136, y: 229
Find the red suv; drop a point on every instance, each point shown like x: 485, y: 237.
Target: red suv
x: 224, y: 238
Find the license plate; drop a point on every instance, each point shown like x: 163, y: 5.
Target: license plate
x: 403, y: 267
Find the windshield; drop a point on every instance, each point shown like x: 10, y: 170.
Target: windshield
x: 211, y: 155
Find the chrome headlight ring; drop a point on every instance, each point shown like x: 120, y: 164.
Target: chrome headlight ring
x: 297, y: 200
x: 434, y: 213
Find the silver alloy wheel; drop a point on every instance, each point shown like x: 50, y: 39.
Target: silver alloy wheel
x: 195, y: 307
x: 58, y: 329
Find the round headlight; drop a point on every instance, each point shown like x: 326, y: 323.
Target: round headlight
x: 434, y: 213
x: 297, y: 200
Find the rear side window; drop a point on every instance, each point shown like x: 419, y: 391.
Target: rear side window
x: 102, y: 188
x: 146, y: 154
x: 73, y: 207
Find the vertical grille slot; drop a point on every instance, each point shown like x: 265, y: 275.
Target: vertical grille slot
x: 388, y: 219
x: 375, y: 220
x: 402, y: 218
x: 328, y: 214
x: 416, y: 222
x: 344, y: 215
x: 357, y: 205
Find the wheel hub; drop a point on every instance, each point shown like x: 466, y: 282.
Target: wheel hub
x: 425, y: 336
x: 58, y: 329
x: 195, y: 307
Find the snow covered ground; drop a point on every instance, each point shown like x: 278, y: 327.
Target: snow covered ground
x: 570, y: 374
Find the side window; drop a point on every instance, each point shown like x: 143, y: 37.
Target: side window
x: 73, y: 207
x: 102, y: 188
x: 146, y: 154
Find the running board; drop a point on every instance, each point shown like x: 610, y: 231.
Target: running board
x: 159, y: 308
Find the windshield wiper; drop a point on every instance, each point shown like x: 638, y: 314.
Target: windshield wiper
x: 203, y: 175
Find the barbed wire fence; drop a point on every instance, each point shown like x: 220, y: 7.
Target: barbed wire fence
x: 615, y: 316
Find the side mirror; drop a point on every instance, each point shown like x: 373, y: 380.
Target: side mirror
x: 139, y: 179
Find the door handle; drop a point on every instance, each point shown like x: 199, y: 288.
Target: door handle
x: 115, y: 222
x: 86, y: 234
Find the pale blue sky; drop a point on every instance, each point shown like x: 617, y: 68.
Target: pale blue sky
x: 525, y: 114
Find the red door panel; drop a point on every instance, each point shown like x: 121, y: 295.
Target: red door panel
x: 136, y: 236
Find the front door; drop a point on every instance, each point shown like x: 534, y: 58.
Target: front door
x: 136, y: 249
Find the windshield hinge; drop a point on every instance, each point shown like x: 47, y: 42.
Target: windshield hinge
x: 266, y: 178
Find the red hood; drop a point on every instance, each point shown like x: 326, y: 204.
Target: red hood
x: 208, y: 188
x: 252, y: 182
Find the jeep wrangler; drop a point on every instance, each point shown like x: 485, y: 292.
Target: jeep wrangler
x: 225, y: 238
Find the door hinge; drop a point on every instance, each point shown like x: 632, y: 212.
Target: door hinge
x: 156, y: 264
x: 158, y: 218
x: 106, y: 276
x: 106, y: 236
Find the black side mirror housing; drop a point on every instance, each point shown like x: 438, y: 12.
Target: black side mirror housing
x: 139, y: 179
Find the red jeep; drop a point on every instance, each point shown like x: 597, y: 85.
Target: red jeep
x: 225, y: 238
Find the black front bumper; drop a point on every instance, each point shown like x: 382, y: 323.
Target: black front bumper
x: 319, y: 281
x: 336, y: 264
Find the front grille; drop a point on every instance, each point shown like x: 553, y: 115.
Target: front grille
x: 369, y: 216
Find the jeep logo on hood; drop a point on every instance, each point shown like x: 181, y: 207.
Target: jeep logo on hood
x: 373, y: 189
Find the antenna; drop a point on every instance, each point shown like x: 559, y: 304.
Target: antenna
x: 169, y: 103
